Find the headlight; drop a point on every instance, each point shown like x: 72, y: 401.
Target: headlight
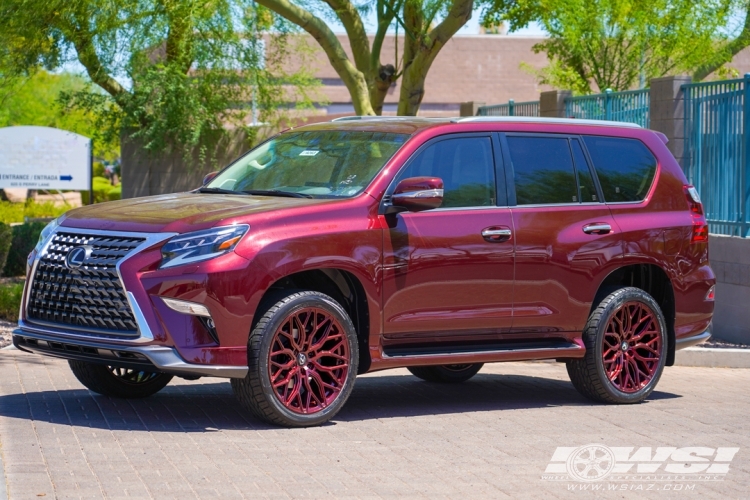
x: 46, y: 233
x: 201, y: 245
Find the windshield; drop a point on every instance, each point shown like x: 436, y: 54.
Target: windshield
x: 319, y: 163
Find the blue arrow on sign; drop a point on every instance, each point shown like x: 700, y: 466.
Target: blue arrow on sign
x: 66, y: 177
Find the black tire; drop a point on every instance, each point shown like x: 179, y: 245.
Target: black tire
x: 118, y: 382
x: 256, y: 391
x: 589, y: 375
x: 446, y: 374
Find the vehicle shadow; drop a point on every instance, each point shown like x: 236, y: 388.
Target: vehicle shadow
x: 206, y: 407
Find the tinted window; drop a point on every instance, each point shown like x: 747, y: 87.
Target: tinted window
x: 625, y: 167
x: 585, y: 181
x: 466, y: 167
x: 542, y: 170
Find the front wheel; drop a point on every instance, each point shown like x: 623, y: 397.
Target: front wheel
x: 447, y: 374
x: 302, y: 358
x: 626, y: 345
x: 117, y: 382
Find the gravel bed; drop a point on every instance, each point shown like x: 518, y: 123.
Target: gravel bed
x: 6, y: 328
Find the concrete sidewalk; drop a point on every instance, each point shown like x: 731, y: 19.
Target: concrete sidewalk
x: 492, y: 437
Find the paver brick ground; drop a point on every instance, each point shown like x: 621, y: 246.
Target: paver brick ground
x: 491, y: 437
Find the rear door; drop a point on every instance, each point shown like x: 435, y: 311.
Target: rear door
x: 564, y: 235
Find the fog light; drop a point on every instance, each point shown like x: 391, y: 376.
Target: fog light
x: 185, y: 307
x: 711, y: 293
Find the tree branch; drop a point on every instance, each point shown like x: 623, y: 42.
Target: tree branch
x: 726, y: 55
x: 355, y: 30
x: 352, y: 77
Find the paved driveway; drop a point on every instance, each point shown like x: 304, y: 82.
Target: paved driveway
x: 491, y: 437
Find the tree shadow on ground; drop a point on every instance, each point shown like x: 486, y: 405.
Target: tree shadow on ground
x: 209, y: 406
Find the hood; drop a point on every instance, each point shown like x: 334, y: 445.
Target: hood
x: 180, y: 212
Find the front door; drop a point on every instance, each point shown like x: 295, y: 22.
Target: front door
x: 448, y: 272
x: 566, y: 238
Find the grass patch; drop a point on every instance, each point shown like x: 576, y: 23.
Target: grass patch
x: 15, y: 212
x: 10, y: 299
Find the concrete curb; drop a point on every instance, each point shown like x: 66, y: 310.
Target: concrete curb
x: 713, y: 357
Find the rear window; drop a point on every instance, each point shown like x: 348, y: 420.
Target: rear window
x: 542, y: 170
x: 625, y: 167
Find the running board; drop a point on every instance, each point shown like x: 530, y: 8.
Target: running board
x: 444, y: 355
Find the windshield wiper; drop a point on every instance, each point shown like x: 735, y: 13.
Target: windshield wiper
x: 217, y: 191
x: 276, y: 192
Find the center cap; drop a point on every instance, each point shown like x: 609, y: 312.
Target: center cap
x: 301, y: 359
x: 624, y: 346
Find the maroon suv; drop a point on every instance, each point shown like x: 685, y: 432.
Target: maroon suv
x: 364, y: 244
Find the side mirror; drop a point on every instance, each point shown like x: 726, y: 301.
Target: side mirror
x: 417, y: 193
x: 209, y: 177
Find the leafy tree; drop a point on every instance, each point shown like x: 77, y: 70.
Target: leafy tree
x: 366, y: 77
x: 727, y: 50
x: 600, y: 44
x: 171, y: 71
x: 35, y: 101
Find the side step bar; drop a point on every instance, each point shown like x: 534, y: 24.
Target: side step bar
x: 445, y: 355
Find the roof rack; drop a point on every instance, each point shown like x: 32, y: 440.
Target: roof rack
x: 534, y: 119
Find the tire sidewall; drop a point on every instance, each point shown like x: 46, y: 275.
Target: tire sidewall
x: 261, y: 363
x: 622, y: 296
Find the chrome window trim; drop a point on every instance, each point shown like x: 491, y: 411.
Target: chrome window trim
x: 150, y: 239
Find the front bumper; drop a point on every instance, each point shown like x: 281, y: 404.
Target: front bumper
x: 152, y: 358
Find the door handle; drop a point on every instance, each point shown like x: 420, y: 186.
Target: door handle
x: 496, y: 234
x: 597, y: 228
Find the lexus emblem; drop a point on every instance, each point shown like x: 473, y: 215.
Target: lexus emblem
x: 76, y: 256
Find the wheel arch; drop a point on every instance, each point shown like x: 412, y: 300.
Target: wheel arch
x: 653, y: 280
x: 342, y: 286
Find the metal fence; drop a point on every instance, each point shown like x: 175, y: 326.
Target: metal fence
x: 716, y: 151
x: 629, y: 106
x: 512, y: 108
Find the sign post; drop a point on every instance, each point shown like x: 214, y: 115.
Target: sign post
x: 45, y: 158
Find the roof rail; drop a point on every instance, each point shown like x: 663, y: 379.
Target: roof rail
x: 394, y: 118
x: 534, y: 119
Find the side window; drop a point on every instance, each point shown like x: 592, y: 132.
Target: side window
x: 466, y: 167
x: 585, y: 181
x: 542, y: 170
x: 625, y: 167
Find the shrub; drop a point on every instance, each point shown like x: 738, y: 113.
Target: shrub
x: 15, y: 212
x: 25, y: 237
x: 6, y: 236
x: 10, y: 300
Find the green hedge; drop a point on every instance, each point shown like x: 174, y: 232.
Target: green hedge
x: 6, y: 237
x: 25, y: 237
x: 10, y: 300
x: 103, y: 191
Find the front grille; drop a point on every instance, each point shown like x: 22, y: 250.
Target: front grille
x: 88, y: 298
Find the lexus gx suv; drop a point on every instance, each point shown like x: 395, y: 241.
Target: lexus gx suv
x: 358, y: 245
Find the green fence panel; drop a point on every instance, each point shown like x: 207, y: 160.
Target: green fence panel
x: 512, y: 108
x: 716, y: 151
x: 629, y: 106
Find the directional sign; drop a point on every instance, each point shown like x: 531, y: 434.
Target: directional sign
x: 44, y: 158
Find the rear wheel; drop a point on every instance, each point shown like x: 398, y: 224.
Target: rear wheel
x: 626, y: 345
x: 302, y: 359
x: 446, y: 373
x: 118, y: 382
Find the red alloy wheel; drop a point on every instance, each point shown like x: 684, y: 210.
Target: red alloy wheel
x: 632, y: 347
x: 309, y: 360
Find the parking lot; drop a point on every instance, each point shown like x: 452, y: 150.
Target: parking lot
x: 491, y: 437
